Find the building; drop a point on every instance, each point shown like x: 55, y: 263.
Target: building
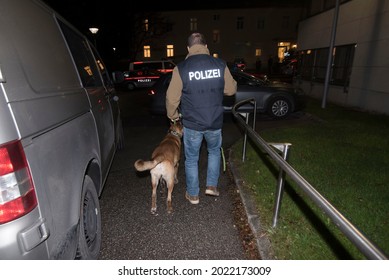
x: 360, y: 60
x: 359, y: 67
x: 251, y: 35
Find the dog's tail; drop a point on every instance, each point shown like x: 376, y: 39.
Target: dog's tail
x: 142, y: 165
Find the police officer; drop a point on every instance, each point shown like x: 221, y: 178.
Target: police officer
x: 196, y: 89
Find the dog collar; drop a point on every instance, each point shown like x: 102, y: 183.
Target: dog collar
x: 175, y: 133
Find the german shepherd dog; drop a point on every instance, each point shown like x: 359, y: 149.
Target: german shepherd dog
x: 164, y: 164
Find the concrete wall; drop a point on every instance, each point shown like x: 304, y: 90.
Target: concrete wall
x: 365, y: 23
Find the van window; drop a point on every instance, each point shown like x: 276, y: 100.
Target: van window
x: 83, y: 58
x: 169, y: 66
x: 160, y: 66
x: 101, y: 67
x: 148, y: 65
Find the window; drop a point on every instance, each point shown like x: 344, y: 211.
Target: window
x: 239, y: 23
x: 216, y: 36
x: 261, y: 24
x: 216, y: 17
x: 313, y: 64
x: 285, y: 22
x: 193, y: 24
x: 283, y: 47
x: 169, y: 50
x: 342, y: 64
x: 146, y: 51
x: 258, y: 52
x: 83, y: 58
x: 320, y: 66
x: 101, y: 67
x: 146, y: 25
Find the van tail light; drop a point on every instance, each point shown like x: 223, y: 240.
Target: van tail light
x: 17, y: 193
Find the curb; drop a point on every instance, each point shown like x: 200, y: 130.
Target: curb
x: 263, y: 243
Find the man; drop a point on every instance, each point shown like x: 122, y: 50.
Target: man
x: 197, y: 87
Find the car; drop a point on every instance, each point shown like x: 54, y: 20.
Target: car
x: 60, y: 128
x: 139, y: 79
x: 276, y: 99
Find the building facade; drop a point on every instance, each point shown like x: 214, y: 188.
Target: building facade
x: 252, y: 35
x: 360, y: 60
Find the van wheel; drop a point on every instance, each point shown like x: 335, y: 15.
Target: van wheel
x: 89, y: 238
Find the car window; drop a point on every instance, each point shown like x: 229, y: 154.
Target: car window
x: 83, y: 58
x: 244, y: 79
x: 240, y: 80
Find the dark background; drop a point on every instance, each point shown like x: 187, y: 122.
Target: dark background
x: 114, y: 18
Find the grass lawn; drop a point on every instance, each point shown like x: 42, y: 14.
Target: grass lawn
x: 344, y: 155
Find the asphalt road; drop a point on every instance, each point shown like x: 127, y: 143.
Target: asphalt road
x: 129, y: 231
x: 215, y: 229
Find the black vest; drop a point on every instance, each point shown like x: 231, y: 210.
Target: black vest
x: 202, y: 93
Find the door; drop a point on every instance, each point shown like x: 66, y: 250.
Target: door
x: 98, y: 94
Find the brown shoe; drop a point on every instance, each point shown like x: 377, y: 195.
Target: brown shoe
x: 212, y: 191
x: 194, y: 199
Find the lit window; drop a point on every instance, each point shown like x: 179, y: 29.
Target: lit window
x: 146, y: 51
x: 169, y: 50
x: 146, y: 25
x: 283, y: 47
x: 258, y: 52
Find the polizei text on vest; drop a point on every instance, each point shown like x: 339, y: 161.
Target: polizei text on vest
x: 205, y: 74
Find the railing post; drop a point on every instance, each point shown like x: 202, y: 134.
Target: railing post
x: 284, y: 148
x: 245, y: 137
x: 254, y: 103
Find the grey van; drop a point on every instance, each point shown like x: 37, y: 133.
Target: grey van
x: 59, y: 130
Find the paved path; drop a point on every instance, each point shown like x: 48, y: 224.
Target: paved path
x: 204, y: 231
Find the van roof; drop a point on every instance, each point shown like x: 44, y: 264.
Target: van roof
x: 150, y: 61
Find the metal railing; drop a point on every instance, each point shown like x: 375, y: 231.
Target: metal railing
x: 365, y: 246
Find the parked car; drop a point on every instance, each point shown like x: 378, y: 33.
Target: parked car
x: 139, y: 79
x: 60, y: 128
x: 275, y: 99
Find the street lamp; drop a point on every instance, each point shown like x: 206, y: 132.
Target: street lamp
x: 94, y: 31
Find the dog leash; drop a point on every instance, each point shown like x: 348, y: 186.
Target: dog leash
x: 224, y: 159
